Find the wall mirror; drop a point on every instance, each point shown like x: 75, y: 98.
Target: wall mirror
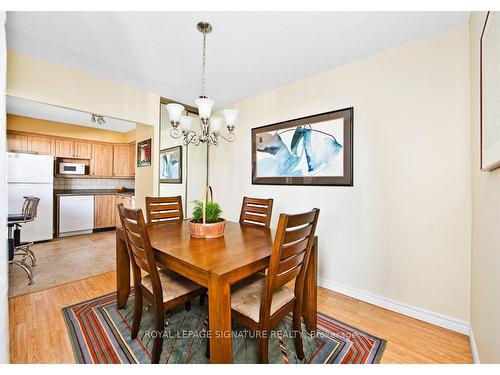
x: 183, y: 169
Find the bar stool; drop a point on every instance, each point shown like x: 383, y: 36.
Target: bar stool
x: 19, y: 251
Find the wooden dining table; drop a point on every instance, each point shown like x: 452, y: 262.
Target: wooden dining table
x: 216, y: 264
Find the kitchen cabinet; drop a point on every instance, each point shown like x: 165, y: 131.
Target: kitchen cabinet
x: 132, y: 162
x: 121, y: 161
x: 83, y: 150
x: 104, y: 211
x: 127, y: 203
x: 102, y: 160
x: 105, y: 160
x: 41, y: 145
x: 65, y: 148
x: 17, y: 142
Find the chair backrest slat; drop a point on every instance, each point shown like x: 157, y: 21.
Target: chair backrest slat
x: 164, y: 209
x: 256, y: 211
x: 30, y: 208
x: 294, y: 248
x: 290, y: 262
x: 285, y: 277
x: 297, y: 234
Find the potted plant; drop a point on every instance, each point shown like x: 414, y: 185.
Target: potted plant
x: 206, y: 221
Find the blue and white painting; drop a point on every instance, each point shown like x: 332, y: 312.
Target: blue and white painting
x: 314, y: 149
x: 171, y: 165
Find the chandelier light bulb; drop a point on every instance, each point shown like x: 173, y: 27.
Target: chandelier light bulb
x: 215, y: 124
x: 186, y: 123
x: 175, y: 112
x: 205, y: 106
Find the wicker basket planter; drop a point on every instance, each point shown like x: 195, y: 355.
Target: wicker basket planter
x: 212, y: 230
x: 204, y: 229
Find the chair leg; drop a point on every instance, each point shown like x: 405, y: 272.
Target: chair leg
x: 136, y: 323
x: 26, y: 269
x: 263, y: 343
x: 187, y: 305
x: 207, y: 348
x: 297, y: 331
x: 32, y: 256
x: 160, y: 328
x: 202, y: 299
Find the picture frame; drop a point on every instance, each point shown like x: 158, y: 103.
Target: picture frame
x: 489, y: 76
x: 144, y: 153
x: 171, y: 165
x: 314, y: 150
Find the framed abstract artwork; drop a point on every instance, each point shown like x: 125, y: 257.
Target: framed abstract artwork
x: 490, y: 92
x: 171, y: 165
x: 144, y: 153
x: 313, y: 150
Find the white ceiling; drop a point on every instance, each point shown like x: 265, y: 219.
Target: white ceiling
x: 247, y: 53
x: 28, y: 108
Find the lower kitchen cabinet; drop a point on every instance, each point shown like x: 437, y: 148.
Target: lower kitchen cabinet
x: 127, y: 203
x: 104, y: 211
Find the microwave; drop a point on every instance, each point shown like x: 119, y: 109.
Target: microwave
x: 71, y: 168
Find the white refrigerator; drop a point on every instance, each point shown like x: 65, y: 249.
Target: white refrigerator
x: 30, y: 174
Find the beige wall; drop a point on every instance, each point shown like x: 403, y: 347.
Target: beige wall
x: 145, y: 182
x: 485, y: 271
x: 45, y: 82
x: 60, y: 129
x: 402, y: 231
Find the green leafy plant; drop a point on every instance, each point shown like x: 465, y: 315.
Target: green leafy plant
x: 212, y: 212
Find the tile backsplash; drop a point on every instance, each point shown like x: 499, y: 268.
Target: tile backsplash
x: 92, y: 183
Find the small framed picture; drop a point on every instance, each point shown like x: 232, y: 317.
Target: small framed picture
x: 144, y: 153
x: 171, y: 165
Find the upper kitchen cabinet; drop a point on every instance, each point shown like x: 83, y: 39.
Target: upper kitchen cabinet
x: 83, y: 150
x: 121, y: 161
x: 41, y: 144
x: 102, y: 160
x: 65, y: 148
x: 17, y: 142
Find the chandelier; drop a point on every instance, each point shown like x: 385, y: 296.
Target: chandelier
x: 210, y: 126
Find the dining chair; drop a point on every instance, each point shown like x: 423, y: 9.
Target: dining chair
x: 164, y: 289
x: 164, y: 209
x: 256, y: 211
x: 261, y: 301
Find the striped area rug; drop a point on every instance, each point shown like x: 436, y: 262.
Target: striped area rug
x: 100, y: 333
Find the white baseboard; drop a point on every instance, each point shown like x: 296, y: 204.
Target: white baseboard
x: 473, y: 347
x: 438, y: 319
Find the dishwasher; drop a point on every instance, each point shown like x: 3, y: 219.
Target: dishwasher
x: 76, y: 215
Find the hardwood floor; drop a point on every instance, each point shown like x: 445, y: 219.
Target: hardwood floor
x: 64, y: 260
x: 38, y: 332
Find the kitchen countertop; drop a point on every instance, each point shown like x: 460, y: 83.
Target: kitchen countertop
x: 58, y: 192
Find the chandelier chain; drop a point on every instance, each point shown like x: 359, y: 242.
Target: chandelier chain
x: 203, y: 93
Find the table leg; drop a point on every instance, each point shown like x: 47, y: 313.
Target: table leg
x: 219, y: 304
x: 310, y: 306
x: 122, y: 271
